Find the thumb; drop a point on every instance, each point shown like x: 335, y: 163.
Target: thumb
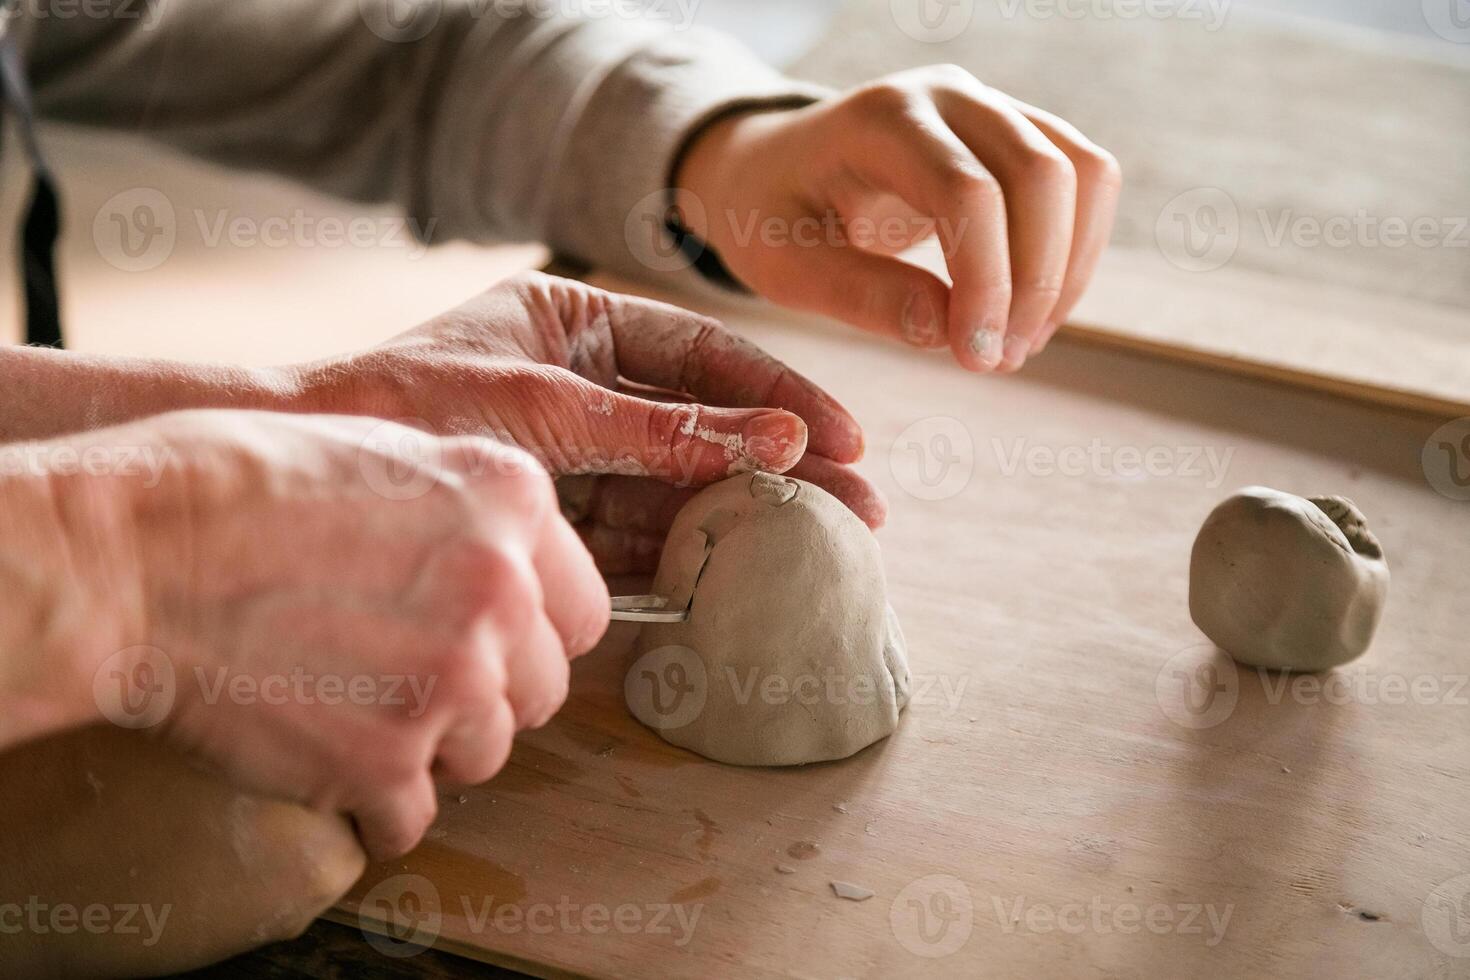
x: 689, y: 444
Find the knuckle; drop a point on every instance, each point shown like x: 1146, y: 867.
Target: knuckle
x: 1097, y: 166
x: 972, y: 185
x: 1051, y: 169
x: 1045, y: 287
x: 882, y: 98
x: 951, y: 74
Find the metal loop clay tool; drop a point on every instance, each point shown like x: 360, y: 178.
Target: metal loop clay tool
x: 658, y: 608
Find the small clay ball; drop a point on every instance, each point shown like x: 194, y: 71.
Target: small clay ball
x: 1286, y: 582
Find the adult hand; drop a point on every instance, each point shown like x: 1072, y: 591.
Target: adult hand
x: 1022, y: 202
x: 653, y: 399
x: 345, y: 607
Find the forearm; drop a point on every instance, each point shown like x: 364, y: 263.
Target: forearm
x: 489, y: 120
x: 46, y: 393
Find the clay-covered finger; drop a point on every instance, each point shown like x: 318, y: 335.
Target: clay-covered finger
x: 664, y: 346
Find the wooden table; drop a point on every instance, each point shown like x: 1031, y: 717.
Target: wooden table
x: 1083, y: 785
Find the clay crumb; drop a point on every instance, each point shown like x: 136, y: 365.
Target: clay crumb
x: 785, y: 869
x: 851, y: 892
x: 464, y: 799
x: 840, y: 807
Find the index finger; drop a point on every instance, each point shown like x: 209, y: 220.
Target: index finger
x: 667, y: 347
x: 937, y: 174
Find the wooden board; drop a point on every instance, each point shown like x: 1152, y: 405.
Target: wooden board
x: 1050, y: 790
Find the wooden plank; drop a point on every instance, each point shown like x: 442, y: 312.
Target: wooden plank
x: 1051, y: 766
x: 1378, y: 349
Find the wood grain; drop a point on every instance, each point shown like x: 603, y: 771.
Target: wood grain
x: 1065, y: 773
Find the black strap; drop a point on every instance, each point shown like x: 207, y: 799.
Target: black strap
x: 43, y: 216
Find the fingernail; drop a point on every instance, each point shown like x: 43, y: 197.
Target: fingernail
x: 920, y: 322
x: 773, y: 440
x: 1016, y: 350
x: 985, y: 344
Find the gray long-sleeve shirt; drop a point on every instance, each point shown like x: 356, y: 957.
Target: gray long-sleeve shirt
x: 483, y: 119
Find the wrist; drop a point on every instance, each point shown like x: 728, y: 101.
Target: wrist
x: 710, y: 162
x: 350, y: 385
x: 61, y: 612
